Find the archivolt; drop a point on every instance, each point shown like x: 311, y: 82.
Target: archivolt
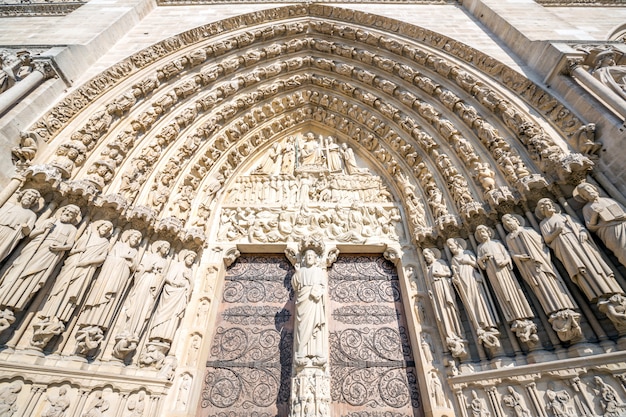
x: 190, y: 112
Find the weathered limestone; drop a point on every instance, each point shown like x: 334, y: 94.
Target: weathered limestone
x: 309, y: 130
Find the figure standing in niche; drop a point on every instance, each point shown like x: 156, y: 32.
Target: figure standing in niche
x: 350, y: 161
x: 444, y: 302
x: 37, y: 261
x: 115, y: 272
x: 17, y: 221
x: 473, y: 292
x: 557, y: 402
x: 58, y: 405
x: 309, y: 283
x: 571, y: 244
x: 610, y: 401
x: 335, y: 163
x: 145, y: 289
x: 289, y: 157
x: 86, y: 256
x: 8, y: 398
x: 533, y: 261
x: 272, y: 161
x: 514, y: 401
x: 174, y: 298
x: 494, y: 258
x: 606, y: 218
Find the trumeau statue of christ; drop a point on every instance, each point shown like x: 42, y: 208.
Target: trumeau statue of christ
x: 309, y: 283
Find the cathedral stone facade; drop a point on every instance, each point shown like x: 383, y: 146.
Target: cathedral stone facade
x: 361, y: 209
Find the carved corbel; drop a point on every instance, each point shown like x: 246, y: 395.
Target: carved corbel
x: 230, y: 256
x: 393, y: 255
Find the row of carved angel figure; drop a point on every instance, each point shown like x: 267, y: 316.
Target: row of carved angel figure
x: 91, y: 270
x: 556, y: 402
x: 528, y: 250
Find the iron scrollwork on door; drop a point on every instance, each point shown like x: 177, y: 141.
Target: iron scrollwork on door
x: 249, y: 367
x: 370, y: 355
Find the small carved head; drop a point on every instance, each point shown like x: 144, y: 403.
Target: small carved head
x: 28, y: 197
x: 512, y: 222
x: 586, y: 192
x: 483, y: 233
x: 70, y: 214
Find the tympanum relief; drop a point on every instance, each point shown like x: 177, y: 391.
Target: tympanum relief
x: 309, y: 184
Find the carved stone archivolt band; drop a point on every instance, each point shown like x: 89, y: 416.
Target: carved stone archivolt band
x: 312, y: 127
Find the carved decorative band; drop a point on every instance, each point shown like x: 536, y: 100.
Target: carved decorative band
x: 41, y: 9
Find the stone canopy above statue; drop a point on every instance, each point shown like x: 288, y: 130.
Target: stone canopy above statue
x: 325, y: 188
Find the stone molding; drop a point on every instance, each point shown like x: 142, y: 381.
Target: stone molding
x: 39, y: 9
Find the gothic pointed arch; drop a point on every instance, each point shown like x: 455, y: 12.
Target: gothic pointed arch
x: 281, y: 131
x: 194, y: 108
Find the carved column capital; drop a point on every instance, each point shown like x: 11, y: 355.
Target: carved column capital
x: 46, y: 68
x: 571, y: 63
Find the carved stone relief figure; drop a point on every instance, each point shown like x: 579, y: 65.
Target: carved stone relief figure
x: 558, y: 403
x: 182, y: 398
x: 36, y: 263
x: 333, y: 156
x: 86, y: 256
x: 58, y: 404
x: 444, y: 302
x: 136, y: 405
x: 533, y: 261
x: 350, y: 161
x: 8, y: 398
x: 494, y: 258
x: 471, y: 287
x: 310, y: 152
x: 26, y: 151
x: 272, y: 160
x: 17, y: 221
x: 606, y: 218
x: 573, y: 246
x: 514, y: 401
x: 309, y: 282
x: 436, y: 389
x: 98, y: 408
x: 142, y: 296
x: 477, y: 406
x: 610, y: 74
x: 289, y: 156
x: 174, y: 298
x: 98, y: 309
x: 612, y: 405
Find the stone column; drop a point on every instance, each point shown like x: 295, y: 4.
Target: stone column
x: 10, y: 189
x: 586, y: 407
x: 35, y: 395
x: 492, y: 393
x: 41, y: 71
x: 531, y: 389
